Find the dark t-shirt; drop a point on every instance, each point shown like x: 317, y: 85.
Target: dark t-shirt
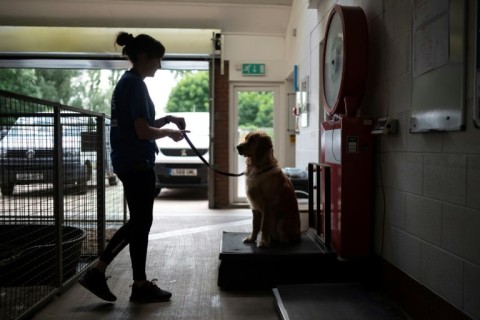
x: 130, y: 101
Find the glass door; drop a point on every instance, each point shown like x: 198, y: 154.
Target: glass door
x: 253, y: 109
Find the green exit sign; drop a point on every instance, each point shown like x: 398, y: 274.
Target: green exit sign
x: 253, y: 69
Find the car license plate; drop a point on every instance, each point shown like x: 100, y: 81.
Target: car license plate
x: 29, y: 176
x: 183, y: 172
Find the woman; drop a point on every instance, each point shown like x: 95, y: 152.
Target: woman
x: 133, y: 134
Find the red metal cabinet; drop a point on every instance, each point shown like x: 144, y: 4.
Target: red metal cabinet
x: 347, y: 147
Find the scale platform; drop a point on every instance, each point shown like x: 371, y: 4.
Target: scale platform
x: 332, y: 301
x: 245, y: 266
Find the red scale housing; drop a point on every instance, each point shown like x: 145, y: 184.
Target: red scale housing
x: 347, y: 147
x: 347, y: 142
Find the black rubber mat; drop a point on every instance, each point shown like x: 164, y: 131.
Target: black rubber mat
x: 328, y: 301
x: 232, y: 247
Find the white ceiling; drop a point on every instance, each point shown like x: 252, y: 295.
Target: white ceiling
x: 230, y: 16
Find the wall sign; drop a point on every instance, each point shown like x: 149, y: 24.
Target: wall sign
x: 253, y: 69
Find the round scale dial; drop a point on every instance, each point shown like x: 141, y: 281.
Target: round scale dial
x: 344, y: 60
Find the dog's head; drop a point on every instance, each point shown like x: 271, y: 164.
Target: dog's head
x: 256, y: 144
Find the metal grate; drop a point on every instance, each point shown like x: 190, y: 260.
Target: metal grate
x: 59, y: 201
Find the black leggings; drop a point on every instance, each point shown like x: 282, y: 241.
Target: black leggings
x: 139, y: 188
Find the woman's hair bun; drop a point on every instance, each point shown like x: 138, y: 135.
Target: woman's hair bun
x: 123, y: 38
x: 134, y: 46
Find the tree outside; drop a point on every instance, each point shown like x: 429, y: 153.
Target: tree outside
x: 92, y: 90
x: 85, y: 89
x: 191, y: 94
x: 255, y: 109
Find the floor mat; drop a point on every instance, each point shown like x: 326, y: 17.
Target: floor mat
x: 335, y: 301
x: 233, y: 245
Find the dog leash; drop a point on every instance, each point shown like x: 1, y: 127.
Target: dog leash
x: 205, y: 161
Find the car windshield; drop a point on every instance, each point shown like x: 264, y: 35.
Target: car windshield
x: 25, y: 130
x: 42, y: 127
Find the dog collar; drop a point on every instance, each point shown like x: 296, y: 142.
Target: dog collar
x: 267, y: 169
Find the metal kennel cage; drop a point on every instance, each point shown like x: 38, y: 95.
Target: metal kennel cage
x: 59, y: 201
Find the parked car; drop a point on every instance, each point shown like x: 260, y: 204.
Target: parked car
x: 3, y: 132
x: 176, y: 165
x: 27, y: 153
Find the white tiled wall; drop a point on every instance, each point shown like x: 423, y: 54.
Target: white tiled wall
x: 424, y: 219
x: 431, y: 181
x: 473, y: 182
x: 472, y: 289
x: 460, y: 232
x: 443, y: 273
x: 445, y: 177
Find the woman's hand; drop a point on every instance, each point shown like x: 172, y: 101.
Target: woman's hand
x: 145, y: 132
x: 176, y: 135
x: 179, y: 121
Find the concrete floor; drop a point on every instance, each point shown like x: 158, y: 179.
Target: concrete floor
x: 183, y: 254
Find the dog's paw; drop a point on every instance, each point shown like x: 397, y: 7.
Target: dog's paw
x: 263, y: 243
x: 249, y: 239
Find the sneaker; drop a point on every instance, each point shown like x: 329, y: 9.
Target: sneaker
x: 96, y: 282
x: 149, y: 292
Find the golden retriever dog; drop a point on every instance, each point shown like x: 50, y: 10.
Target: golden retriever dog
x: 270, y: 193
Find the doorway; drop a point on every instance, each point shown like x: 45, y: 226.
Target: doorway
x: 254, y: 107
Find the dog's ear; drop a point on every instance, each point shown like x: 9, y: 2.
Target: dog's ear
x: 265, y: 142
x: 248, y: 136
x: 263, y: 145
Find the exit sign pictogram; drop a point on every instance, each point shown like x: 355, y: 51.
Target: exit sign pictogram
x: 253, y: 69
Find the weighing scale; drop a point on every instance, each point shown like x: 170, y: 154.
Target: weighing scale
x: 347, y: 149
